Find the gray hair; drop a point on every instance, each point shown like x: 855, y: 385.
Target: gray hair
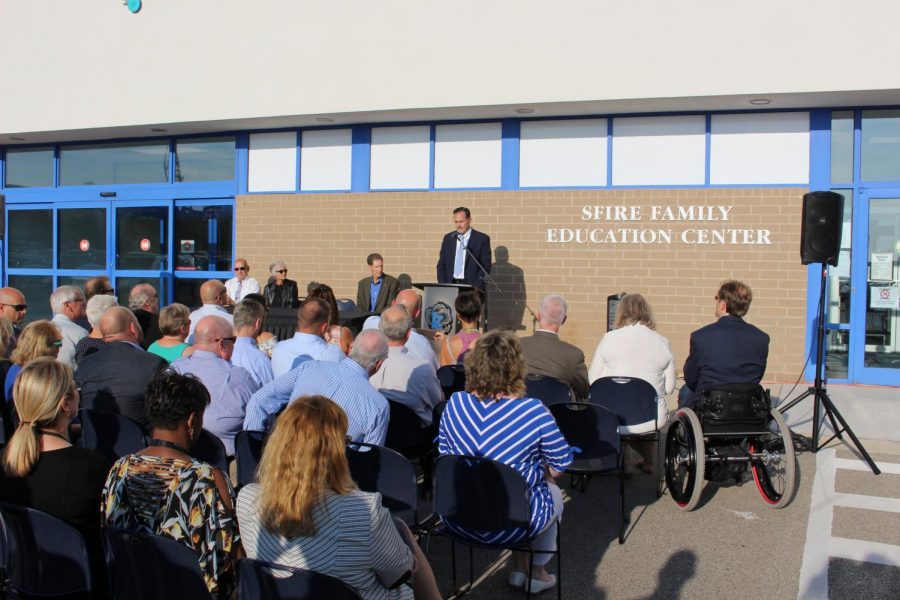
x: 369, y: 347
x: 275, y: 265
x: 553, y: 309
x: 63, y: 294
x: 395, y: 323
x: 247, y: 312
x: 139, y: 295
x: 96, y: 307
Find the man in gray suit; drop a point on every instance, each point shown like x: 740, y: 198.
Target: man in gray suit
x: 548, y: 355
x: 376, y: 293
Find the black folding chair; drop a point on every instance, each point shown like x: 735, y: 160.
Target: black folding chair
x: 248, y: 449
x: 379, y: 469
x: 633, y: 401
x: 42, y: 556
x: 151, y: 567
x: 593, y: 433
x: 486, y: 496
x: 267, y: 580
x: 548, y: 390
x: 452, y: 379
x: 210, y: 449
x: 111, y: 434
x: 404, y: 427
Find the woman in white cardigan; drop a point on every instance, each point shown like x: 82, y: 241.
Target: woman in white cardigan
x: 634, y: 349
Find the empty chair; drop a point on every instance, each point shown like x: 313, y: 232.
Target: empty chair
x: 248, y: 449
x: 260, y: 579
x: 210, y: 450
x: 345, y: 305
x: 452, y: 379
x: 111, y: 434
x: 593, y: 433
x: 42, y: 555
x: 151, y: 567
x: 378, y: 469
x: 548, y: 390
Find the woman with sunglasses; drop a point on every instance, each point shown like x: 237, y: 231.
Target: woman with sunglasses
x: 281, y: 292
x: 40, y: 338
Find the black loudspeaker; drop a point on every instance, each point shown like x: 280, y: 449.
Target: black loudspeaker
x: 820, y: 232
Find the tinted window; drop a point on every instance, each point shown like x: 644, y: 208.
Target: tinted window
x: 29, y: 167
x: 187, y: 291
x: 104, y: 164
x: 30, y: 239
x: 142, y: 238
x: 82, y: 238
x: 203, y: 238
x: 842, y: 147
x: 36, y: 289
x: 880, y: 156
x: 206, y: 159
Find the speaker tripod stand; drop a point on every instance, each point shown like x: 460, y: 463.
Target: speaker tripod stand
x: 820, y: 394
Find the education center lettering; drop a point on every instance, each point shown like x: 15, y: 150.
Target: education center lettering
x: 725, y: 234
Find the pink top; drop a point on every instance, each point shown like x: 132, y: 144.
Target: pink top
x: 467, y: 338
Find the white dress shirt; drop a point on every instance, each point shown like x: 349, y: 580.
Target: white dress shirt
x: 237, y: 289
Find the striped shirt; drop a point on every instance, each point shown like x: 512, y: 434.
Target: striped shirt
x: 355, y: 541
x: 520, y: 433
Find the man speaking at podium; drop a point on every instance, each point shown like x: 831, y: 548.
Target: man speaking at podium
x: 455, y: 264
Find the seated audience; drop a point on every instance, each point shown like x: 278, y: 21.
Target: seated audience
x: 727, y: 351
x: 308, y: 343
x: 307, y: 512
x: 495, y: 384
x: 546, y: 354
x: 161, y: 490
x: 68, y: 304
x: 346, y: 382
x: 336, y: 335
x: 249, y: 316
x: 39, y: 338
x: 89, y: 344
x: 634, y: 349
x: 417, y: 343
x: 229, y: 387
x: 402, y: 377
x: 214, y: 298
x: 281, y: 292
x: 376, y: 292
x: 174, y: 324
x: 113, y: 379
x: 41, y: 468
x: 144, y: 303
x: 468, y: 312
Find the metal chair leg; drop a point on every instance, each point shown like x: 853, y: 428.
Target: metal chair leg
x: 453, y: 564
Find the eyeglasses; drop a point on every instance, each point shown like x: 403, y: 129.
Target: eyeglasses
x: 241, y: 269
x: 58, y: 343
x: 15, y: 307
x: 281, y: 271
x: 231, y: 339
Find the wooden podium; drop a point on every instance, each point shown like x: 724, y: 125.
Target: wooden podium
x: 439, y: 305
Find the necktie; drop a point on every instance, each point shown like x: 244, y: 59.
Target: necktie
x: 458, y: 263
x: 237, y: 293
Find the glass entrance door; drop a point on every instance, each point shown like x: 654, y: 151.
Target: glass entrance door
x: 142, y: 244
x: 875, y: 306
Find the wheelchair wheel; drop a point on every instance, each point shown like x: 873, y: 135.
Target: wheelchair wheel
x: 775, y: 470
x: 685, y: 459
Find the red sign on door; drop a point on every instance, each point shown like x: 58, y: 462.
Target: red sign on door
x: 145, y: 244
x: 84, y: 245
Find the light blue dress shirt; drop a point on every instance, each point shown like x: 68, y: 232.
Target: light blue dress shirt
x: 300, y: 348
x: 248, y: 355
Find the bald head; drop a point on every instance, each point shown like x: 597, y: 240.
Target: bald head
x: 313, y: 317
x: 10, y: 300
x: 118, y: 324
x: 212, y: 292
x: 411, y: 300
x: 143, y: 296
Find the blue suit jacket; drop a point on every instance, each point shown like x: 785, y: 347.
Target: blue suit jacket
x: 479, y: 245
x: 727, y: 351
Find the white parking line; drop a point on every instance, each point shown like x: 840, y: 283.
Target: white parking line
x: 866, y: 502
x: 874, y: 552
x: 851, y: 464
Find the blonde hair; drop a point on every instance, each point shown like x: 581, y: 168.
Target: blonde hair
x: 7, y: 336
x: 39, y: 387
x: 173, y: 317
x: 35, y: 341
x: 495, y: 366
x: 633, y: 309
x: 294, y: 477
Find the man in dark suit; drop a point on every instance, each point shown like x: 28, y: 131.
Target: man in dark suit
x: 548, y: 355
x: 113, y: 379
x: 144, y: 303
x: 455, y: 264
x: 727, y: 351
x: 375, y: 293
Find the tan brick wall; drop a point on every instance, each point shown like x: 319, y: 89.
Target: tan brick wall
x: 326, y: 237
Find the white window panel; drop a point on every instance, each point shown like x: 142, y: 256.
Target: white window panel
x: 659, y: 150
x: 325, y: 159
x: 766, y: 148
x: 563, y: 153
x: 467, y: 155
x: 400, y: 157
x: 272, y: 163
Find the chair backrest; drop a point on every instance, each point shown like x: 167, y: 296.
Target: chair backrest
x: 437, y: 412
x: 548, y: 390
x: 111, y: 434
x: 259, y: 580
x: 248, y: 449
x: 404, y: 427
x: 592, y: 431
x: 210, y: 450
x: 43, y: 555
x: 379, y: 469
x: 151, y: 567
x: 480, y: 494
x: 734, y: 407
x: 452, y: 379
x: 345, y: 304
x: 632, y: 400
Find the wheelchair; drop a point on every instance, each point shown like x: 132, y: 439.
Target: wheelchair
x: 733, y: 430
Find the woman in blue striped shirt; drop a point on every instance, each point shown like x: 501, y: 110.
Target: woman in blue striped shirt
x: 492, y: 419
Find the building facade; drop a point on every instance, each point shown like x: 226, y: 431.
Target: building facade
x: 652, y: 148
